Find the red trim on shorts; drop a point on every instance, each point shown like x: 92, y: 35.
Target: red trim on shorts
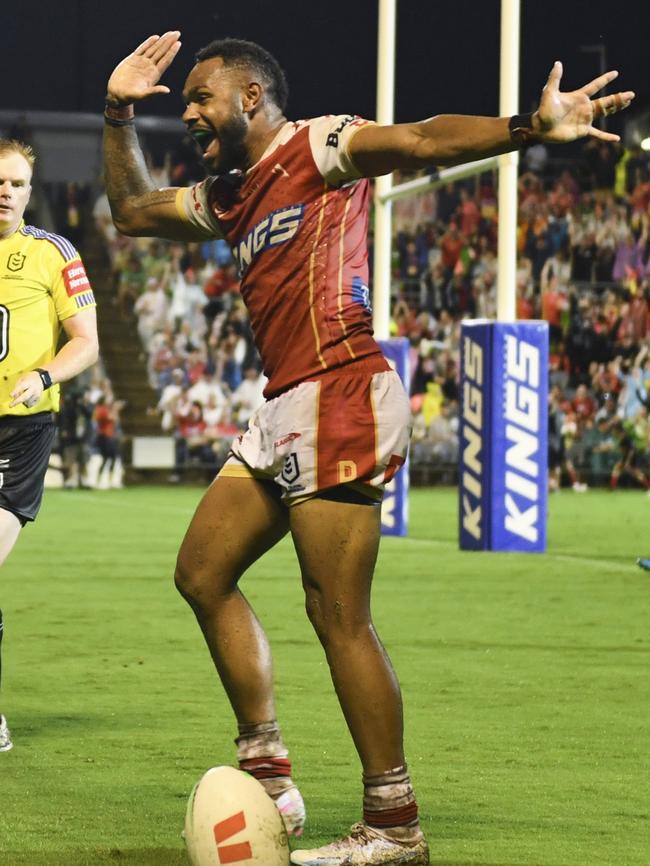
x: 347, y: 430
x: 393, y: 465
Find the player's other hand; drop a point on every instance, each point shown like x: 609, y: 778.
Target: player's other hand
x: 137, y: 76
x: 28, y: 391
x: 567, y: 116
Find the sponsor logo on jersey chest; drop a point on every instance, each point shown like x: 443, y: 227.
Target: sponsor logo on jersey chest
x: 274, y: 229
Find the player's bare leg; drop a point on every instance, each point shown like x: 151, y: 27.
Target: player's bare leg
x: 10, y: 528
x: 237, y: 521
x: 337, y: 546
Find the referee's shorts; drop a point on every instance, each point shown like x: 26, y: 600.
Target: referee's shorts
x: 25, y: 447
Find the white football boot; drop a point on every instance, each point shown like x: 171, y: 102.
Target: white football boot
x: 5, y: 736
x: 367, y: 846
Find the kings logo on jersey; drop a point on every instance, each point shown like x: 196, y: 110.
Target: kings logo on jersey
x: 275, y: 228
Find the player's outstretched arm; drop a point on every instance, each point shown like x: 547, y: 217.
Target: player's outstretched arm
x: 453, y: 139
x: 138, y: 208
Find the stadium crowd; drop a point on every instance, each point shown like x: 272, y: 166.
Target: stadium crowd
x: 89, y: 435
x: 583, y: 266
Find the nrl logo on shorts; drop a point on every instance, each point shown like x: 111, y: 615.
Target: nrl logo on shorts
x: 16, y: 261
x: 291, y: 468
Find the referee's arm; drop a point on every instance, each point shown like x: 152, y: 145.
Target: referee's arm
x: 79, y: 352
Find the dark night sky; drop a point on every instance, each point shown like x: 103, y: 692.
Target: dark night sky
x: 58, y: 55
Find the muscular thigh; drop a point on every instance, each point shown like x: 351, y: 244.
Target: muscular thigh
x: 237, y: 520
x: 337, y: 544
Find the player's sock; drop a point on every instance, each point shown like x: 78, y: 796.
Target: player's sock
x: 262, y: 753
x: 389, y: 804
x: 613, y: 482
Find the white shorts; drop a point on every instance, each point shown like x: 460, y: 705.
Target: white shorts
x: 350, y: 428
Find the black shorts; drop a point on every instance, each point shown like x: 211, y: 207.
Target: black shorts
x: 25, y: 446
x: 556, y: 456
x: 107, y: 447
x: 635, y: 459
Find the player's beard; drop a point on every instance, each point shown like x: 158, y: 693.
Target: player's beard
x: 233, y: 153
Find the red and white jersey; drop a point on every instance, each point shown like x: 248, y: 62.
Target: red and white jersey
x: 297, y: 223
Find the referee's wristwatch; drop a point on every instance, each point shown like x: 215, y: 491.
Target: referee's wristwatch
x: 46, y: 379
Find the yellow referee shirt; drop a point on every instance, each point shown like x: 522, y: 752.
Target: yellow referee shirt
x: 42, y: 282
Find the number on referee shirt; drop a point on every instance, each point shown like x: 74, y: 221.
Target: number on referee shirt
x: 4, y: 332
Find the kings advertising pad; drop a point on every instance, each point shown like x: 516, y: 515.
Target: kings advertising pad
x: 503, y: 471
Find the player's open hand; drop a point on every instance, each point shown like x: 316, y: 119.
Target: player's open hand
x: 567, y: 116
x: 137, y: 76
x: 28, y: 390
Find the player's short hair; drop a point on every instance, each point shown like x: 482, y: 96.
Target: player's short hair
x: 12, y: 145
x: 239, y: 52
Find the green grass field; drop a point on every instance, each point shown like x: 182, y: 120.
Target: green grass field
x: 525, y: 678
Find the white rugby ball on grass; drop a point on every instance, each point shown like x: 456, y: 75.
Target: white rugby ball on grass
x: 230, y: 819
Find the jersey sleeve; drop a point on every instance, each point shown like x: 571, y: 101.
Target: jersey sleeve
x: 71, y: 289
x: 193, y: 207
x: 329, y: 138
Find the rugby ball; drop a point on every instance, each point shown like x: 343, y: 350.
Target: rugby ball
x: 230, y: 819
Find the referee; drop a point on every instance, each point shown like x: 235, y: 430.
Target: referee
x: 43, y: 287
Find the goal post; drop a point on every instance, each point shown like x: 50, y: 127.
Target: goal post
x: 503, y: 407
x: 386, y: 192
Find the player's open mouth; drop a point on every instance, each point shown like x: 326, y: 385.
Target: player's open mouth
x: 205, y: 138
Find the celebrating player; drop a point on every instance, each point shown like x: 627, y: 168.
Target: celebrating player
x: 43, y: 285
x: 292, y: 199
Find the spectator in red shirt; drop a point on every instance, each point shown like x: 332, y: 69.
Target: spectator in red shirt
x: 583, y: 406
x: 470, y: 215
x: 106, y: 416
x: 192, y: 442
x: 222, y: 281
x: 451, y: 246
